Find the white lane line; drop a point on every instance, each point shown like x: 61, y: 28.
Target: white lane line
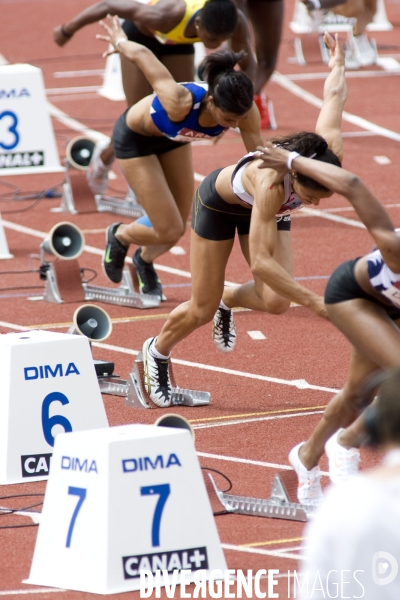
x: 276, y: 553
x: 254, y: 420
x: 311, y: 212
x: 87, y: 73
x: 246, y: 461
x: 71, y: 90
x: 35, y: 516
x: 256, y: 335
x: 92, y: 250
x: 349, y: 74
x: 382, y: 160
x: 299, y: 383
x: 296, y: 90
x: 31, y: 591
x: 74, y: 124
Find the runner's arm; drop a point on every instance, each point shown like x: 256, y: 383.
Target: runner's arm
x: 262, y: 243
x: 176, y: 99
x: 241, y: 40
x: 152, y: 17
x: 250, y: 129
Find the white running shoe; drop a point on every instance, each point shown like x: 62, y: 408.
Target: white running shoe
x: 97, y: 173
x: 157, y: 381
x: 224, y: 330
x: 364, y: 50
x: 351, y: 62
x: 343, y: 462
x: 309, y: 490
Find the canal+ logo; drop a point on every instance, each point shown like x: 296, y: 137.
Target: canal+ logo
x: 47, y: 371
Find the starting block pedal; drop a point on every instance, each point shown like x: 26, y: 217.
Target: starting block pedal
x: 138, y: 397
x: 59, y: 272
x: 77, y: 196
x: 129, y: 207
x: 278, y: 506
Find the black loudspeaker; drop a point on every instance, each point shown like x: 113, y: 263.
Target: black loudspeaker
x: 79, y: 152
x: 65, y: 240
x: 176, y: 421
x: 91, y: 321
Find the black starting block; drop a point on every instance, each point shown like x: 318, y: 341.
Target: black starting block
x: 278, y: 506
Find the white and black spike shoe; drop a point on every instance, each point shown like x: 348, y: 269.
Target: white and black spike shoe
x: 157, y: 381
x: 224, y: 330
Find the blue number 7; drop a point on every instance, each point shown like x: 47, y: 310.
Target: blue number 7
x: 163, y: 491
x: 81, y: 493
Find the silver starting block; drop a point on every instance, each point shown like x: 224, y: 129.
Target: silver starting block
x: 113, y: 385
x: 278, y: 506
x: 129, y: 207
x: 124, y: 295
x: 77, y: 197
x: 138, y: 397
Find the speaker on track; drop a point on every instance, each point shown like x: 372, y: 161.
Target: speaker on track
x: 176, y: 421
x: 91, y: 321
x: 79, y: 152
x: 65, y: 241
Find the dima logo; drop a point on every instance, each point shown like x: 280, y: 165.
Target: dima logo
x: 46, y: 371
x: 14, y: 93
x: 145, y: 463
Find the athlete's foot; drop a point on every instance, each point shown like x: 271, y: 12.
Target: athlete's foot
x: 309, y: 490
x: 149, y: 282
x: 157, y: 381
x: 114, y: 256
x: 97, y: 173
x: 343, y: 462
x: 224, y: 330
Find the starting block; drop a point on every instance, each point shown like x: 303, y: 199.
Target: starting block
x: 136, y: 396
x: 79, y: 198
x: 45, y: 378
x: 120, y: 501
x: 278, y: 506
x: 63, y: 283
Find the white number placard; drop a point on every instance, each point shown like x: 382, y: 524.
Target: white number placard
x: 49, y: 386
x: 27, y: 142
x: 119, y: 501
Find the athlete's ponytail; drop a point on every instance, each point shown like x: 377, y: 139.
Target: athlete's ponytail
x: 219, y: 17
x: 231, y: 90
x: 310, y: 145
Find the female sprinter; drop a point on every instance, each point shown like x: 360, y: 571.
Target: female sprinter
x: 169, y: 28
x: 363, y: 300
x: 245, y: 197
x: 151, y: 145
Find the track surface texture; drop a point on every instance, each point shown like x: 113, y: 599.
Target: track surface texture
x: 257, y: 412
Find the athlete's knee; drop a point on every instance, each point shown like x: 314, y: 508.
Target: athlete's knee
x: 170, y: 234
x: 203, y: 314
x: 276, y: 305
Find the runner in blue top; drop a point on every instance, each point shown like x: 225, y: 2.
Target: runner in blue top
x: 150, y: 142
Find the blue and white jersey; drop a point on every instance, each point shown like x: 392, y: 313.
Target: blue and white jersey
x: 189, y: 129
x: 291, y: 199
x: 382, y: 278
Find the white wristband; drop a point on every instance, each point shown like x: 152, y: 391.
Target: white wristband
x: 120, y: 40
x: 290, y: 159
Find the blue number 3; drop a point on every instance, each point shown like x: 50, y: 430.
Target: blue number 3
x: 49, y: 422
x: 12, y: 129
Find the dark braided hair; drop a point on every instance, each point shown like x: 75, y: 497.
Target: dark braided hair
x: 232, y: 90
x: 310, y: 145
x: 219, y: 17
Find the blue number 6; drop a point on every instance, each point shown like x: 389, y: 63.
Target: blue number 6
x: 81, y: 493
x: 49, y: 422
x: 163, y: 491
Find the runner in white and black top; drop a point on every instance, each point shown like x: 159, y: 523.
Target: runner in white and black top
x: 252, y: 201
x: 363, y: 301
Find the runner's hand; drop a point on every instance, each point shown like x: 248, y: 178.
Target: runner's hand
x: 115, y: 33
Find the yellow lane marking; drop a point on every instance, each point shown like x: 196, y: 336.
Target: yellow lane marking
x: 258, y: 414
x: 272, y: 542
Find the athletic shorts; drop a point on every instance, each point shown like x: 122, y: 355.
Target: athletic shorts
x: 343, y: 286
x: 129, y: 144
x: 134, y: 35
x: 215, y: 219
